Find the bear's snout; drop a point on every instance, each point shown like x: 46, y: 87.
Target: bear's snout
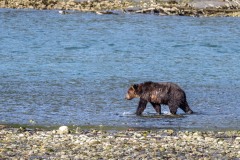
x: 127, y: 97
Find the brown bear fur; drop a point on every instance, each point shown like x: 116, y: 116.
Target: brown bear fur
x: 166, y: 93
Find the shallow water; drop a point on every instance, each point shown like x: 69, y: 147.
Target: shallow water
x: 75, y: 69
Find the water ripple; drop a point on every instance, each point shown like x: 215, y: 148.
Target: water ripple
x: 75, y: 69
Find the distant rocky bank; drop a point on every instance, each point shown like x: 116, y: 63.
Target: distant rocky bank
x: 196, y: 8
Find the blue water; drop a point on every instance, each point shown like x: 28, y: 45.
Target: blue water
x: 75, y: 69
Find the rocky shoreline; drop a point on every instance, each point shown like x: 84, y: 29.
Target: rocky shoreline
x: 196, y: 8
x: 124, y: 144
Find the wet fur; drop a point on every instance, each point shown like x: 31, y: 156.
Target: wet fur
x: 166, y: 93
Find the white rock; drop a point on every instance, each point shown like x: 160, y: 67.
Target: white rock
x: 21, y: 135
x: 237, y: 138
x: 209, y: 139
x: 220, y: 142
x: 63, y: 130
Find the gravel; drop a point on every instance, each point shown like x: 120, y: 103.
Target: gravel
x: 19, y: 143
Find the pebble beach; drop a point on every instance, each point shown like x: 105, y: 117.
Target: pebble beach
x: 62, y: 143
x: 96, y: 143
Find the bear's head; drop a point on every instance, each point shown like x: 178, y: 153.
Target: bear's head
x: 133, y: 92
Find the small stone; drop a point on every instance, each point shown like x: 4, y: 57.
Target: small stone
x: 2, y: 126
x: 195, y: 134
x: 78, y: 130
x: 237, y: 138
x: 64, y: 156
x: 54, y: 132
x: 209, y: 139
x: 21, y: 135
x: 63, y: 130
x: 220, y: 142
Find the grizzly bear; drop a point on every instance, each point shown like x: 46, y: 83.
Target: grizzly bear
x: 166, y: 93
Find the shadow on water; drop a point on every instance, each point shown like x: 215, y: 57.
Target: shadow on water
x: 162, y: 116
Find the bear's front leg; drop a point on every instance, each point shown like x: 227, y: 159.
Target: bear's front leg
x: 141, y: 106
x: 157, y: 107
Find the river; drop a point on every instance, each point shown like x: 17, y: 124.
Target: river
x: 75, y: 69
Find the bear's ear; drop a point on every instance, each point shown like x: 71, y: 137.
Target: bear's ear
x: 135, y: 87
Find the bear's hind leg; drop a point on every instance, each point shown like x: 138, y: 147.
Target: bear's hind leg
x: 157, y: 107
x: 185, y: 107
x: 141, y: 106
